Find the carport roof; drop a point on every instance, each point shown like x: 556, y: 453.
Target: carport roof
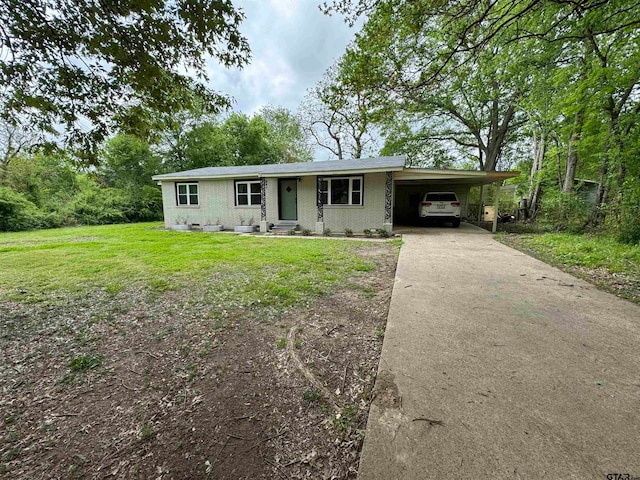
x: 458, y: 177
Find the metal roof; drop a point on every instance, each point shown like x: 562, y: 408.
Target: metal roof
x: 367, y: 165
x: 453, y: 177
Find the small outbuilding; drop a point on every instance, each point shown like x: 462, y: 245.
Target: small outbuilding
x: 361, y: 194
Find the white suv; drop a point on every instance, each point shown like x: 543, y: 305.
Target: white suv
x: 443, y: 206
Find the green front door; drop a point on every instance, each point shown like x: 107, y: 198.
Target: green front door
x: 288, y: 195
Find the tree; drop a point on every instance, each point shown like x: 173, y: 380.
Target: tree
x: 337, y: 113
x: 471, y: 108
x: 273, y: 135
x: 286, y: 135
x: 14, y: 140
x: 91, y: 66
x: 485, y: 75
x: 128, y: 163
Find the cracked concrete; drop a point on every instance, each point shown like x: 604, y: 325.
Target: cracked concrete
x: 496, y: 365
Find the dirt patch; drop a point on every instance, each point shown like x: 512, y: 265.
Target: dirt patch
x: 147, y: 384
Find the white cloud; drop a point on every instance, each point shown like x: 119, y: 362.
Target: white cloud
x: 285, y: 8
x: 292, y: 45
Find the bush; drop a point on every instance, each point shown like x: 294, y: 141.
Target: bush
x: 348, y: 232
x: 629, y: 229
x: 99, y: 207
x: 18, y: 213
x: 566, y: 211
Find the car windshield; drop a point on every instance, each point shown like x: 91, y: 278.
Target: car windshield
x: 441, y: 197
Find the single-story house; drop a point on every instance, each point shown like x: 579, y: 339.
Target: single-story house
x: 355, y: 194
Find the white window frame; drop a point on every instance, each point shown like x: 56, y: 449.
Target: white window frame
x: 351, y: 178
x: 248, y: 183
x: 188, y: 194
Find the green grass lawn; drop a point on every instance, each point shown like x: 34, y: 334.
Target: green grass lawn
x: 582, y: 250
x: 600, y: 259
x: 112, y: 257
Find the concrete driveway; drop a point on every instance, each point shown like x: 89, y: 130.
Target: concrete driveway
x: 496, y: 365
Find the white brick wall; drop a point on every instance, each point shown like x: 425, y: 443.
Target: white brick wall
x: 217, y: 203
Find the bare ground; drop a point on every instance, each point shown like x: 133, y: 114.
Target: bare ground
x: 147, y: 384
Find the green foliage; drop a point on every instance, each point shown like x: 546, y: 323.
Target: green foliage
x: 629, y: 226
x: 288, y: 141
x: 311, y: 397
x: 146, y: 432
x: 565, y: 211
x: 271, y: 136
x: 47, y: 180
x: 17, y: 213
x: 73, y: 63
x: 85, y: 362
x: 592, y: 251
x: 281, y: 343
x: 338, y: 112
x: 348, y: 232
x: 367, y: 233
x: 306, y: 232
x: 345, y: 421
x: 128, y: 163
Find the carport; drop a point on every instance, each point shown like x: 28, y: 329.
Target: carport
x: 411, y: 184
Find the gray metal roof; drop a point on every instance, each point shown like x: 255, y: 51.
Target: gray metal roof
x: 292, y: 169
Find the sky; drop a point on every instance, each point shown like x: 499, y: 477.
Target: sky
x: 292, y: 45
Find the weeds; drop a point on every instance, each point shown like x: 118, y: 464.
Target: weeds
x: 345, y: 420
x: 146, y: 432
x: 85, y: 362
x: 311, y: 397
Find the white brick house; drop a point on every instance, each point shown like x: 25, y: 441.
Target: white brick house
x: 355, y: 194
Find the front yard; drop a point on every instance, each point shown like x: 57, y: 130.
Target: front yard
x: 134, y: 352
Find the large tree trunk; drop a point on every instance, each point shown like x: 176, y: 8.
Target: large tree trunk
x: 602, y: 197
x: 572, y: 153
x: 535, y: 191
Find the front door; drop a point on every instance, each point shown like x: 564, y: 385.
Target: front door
x: 288, y: 197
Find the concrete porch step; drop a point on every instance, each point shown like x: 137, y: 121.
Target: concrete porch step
x: 284, y: 225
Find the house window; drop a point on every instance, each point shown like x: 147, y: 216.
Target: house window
x: 341, y: 191
x: 248, y: 193
x: 187, y: 194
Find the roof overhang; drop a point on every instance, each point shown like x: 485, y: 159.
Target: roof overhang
x: 309, y: 173
x: 410, y: 176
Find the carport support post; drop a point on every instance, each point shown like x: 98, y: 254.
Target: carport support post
x: 496, y: 203
x: 481, y: 206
